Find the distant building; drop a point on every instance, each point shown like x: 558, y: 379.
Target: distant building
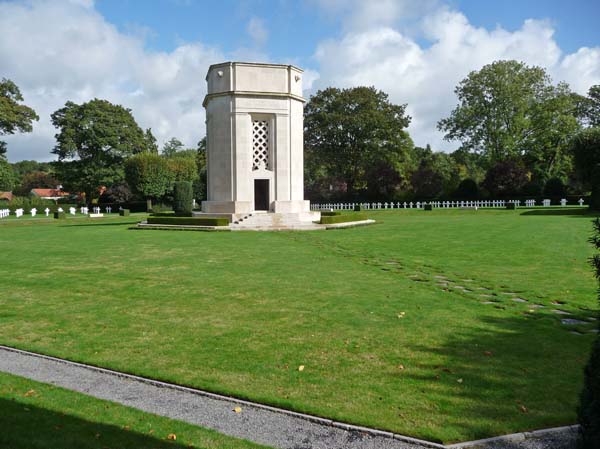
x: 49, y: 194
x: 6, y: 196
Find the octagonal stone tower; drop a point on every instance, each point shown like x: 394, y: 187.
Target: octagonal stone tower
x: 254, y: 139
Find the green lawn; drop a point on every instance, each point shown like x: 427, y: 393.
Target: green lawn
x: 389, y: 320
x: 40, y: 416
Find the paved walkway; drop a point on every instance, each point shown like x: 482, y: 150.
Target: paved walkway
x: 258, y: 423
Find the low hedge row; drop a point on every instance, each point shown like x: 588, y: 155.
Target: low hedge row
x: 170, y: 214
x: 330, y: 213
x: 343, y: 218
x: 189, y: 221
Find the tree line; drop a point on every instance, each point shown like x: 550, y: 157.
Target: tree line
x: 517, y: 133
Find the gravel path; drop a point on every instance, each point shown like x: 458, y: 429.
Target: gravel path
x: 261, y: 424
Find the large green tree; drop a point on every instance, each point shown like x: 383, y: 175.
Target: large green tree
x: 172, y: 146
x: 36, y: 180
x: 7, y: 176
x: 14, y: 117
x: 94, y: 140
x: 151, y: 145
x: 435, y: 174
x: 592, y: 106
x: 508, y: 110
x: 349, y: 133
x: 184, y: 166
x: 149, y: 175
x: 586, y: 150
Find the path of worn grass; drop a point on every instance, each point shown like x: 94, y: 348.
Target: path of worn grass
x: 374, y: 314
x: 34, y: 415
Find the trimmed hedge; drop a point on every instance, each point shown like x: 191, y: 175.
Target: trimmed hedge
x: 428, y: 207
x: 343, y: 218
x: 189, y: 221
x: 511, y: 206
x: 357, y: 208
x: 170, y: 214
x: 60, y: 215
x: 330, y: 213
x: 124, y: 212
x: 183, y: 196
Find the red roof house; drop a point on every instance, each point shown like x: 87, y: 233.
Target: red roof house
x: 49, y: 194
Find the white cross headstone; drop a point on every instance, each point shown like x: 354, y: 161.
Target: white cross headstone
x: 563, y: 202
x: 33, y: 212
x: 19, y: 213
x: 47, y: 211
x: 60, y: 209
x: 580, y: 201
x: 72, y: 210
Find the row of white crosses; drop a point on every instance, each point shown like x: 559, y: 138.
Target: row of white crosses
x: 73, y: 211
x: 436, y: 204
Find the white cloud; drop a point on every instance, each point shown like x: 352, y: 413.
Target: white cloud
x: 360, y: 15
x: 65, y: 50
x: 257, y: 31
x: 59, y: 51
x: 424, y: 76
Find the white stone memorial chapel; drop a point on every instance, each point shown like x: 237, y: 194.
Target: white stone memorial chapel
x: 254, y: 140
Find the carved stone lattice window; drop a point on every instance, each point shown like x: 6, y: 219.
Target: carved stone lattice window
x: 260, y: 144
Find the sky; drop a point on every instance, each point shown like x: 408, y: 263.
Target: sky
x: 152, y: 56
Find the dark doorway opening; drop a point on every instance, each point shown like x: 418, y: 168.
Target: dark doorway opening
x: 261, y: 194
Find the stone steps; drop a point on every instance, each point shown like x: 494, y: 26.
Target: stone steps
x: 273, y: 221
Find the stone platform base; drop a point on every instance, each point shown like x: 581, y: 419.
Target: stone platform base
x: 262, y: 221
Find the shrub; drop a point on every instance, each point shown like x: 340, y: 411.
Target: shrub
x: 532, y: 188
x: 467, y: 189
x: 588, y: 413
x: 183, y: 194
x: 511, y: 206
x: 505, y: 178
x: 60, y: 215
x: 343, y: 218
x: 428, y: 206
x: 189, y: 221
x: 357, y: 208
x: 117, y: 193
x: 124, y: 212
x: 555, y: 187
